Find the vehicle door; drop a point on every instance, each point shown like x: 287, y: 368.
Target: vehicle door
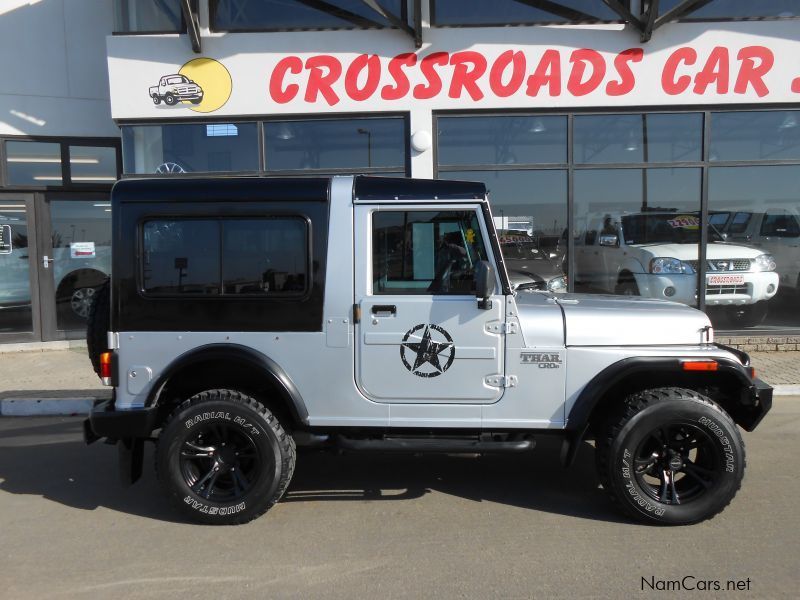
x: 422, y: 336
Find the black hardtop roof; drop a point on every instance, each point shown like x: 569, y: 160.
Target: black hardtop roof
x: 242, y: 189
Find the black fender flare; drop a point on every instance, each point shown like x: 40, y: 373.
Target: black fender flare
x: 244, y: 355
x: 755, y: 397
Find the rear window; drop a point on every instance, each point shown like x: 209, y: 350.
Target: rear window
x: 225, y: 257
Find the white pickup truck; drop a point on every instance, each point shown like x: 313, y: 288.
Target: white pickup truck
x: 655, y: 254
x: 175, y: 88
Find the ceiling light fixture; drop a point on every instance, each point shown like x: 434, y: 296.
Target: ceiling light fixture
x: 790, y: 122
x: 538, y: 126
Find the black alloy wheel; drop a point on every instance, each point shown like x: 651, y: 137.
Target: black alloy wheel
x: 220, y: 463
x: 224, y: 458
x: 669, y: 456
x: 677, y: 463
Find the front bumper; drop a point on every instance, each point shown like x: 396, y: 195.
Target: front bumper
x: 106, y: 422
x: 683, y: 287
x: 760, y: 403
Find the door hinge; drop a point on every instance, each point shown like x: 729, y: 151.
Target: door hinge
x: 499, y: 327
x: 501, y: 381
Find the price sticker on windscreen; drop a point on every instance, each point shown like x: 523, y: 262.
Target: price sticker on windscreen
x: 5, y: 239
x: 81, y: 250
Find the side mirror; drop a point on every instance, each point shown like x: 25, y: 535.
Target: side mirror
x: 609, y: 239
x: 484, y: 283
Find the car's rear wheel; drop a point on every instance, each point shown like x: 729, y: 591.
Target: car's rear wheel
x: 224, y: 458
x: 671, y: 457
x: 156, y: 99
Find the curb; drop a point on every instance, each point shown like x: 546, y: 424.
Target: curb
x: 34, y: 407
x: 786, y: 390
x: 42, y: 346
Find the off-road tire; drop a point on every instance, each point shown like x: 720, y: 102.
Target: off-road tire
x: 156, y: 100
x: 247, y: 425
x: 634, y: 435
x: 98, y: 324
x: 170, y: 99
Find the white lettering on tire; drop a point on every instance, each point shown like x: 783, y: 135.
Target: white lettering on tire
x: 214, y: 510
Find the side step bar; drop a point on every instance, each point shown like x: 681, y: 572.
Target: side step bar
x: 432, y: 444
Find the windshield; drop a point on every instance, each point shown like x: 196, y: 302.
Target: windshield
x: 179, y: 79
x: 521, y: 250
x: 669, y: 228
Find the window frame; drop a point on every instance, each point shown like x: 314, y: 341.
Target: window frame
x: 66, y: 171
x: 531, y: 23
x: 488, y: 246
x: 214, y: 4
x: 261, y: 121
x: 705, y: 164
x: 221, y: 295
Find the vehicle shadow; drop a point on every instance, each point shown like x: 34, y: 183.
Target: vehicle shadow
x: 50, y: 460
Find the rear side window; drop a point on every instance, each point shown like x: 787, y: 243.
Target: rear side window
x: 225, y: 257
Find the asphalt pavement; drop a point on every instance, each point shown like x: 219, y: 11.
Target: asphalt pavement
x: 386, y: 526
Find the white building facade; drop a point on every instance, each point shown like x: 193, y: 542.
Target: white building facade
x: 607, y: 132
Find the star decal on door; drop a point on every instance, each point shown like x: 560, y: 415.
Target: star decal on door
x: 433, y: 352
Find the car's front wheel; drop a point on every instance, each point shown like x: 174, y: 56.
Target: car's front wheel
x: 747, y: 315
x: 170, y: 99
x: 671, y: 457
x: 224, y: 458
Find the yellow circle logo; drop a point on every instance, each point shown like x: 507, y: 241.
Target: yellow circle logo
x: 213, y: 79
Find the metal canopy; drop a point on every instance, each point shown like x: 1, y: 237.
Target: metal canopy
x: 398, y: 21
x: 650, y: 19
x: 189, y: 9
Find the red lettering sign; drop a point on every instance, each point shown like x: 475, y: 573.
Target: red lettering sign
x: 471, y: 75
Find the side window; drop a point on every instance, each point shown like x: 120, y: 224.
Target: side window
x: 180, y: 257
x: 425, y: 252
x: 780, y: 225
x: 228, y: 257
x: 265, y: 256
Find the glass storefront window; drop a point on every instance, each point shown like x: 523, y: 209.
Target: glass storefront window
x: 757, y: 209
x: 502, y: 140
x: 336, y: 144
x: 147, y: 16
x: 736, y: 9
x: 81, y: 257
x: 510, y: 12
x: 33, y: 163
x: 637, y: 232
x: 189, y: 148
x: 93, y: 164
x: 261, y: 15
x: 16, y: 315
x: 755, y: 135
x: 644, y: 138
x: 530, y: 212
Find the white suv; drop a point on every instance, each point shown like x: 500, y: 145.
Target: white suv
x: 655, y: 254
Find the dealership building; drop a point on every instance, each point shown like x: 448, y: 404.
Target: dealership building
x: 607, y: 132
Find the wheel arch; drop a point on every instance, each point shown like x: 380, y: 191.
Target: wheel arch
x: 229, y: 366
x: 730, y: 387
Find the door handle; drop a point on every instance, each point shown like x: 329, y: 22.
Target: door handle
x: 384, y: 310
x: 46, y: 260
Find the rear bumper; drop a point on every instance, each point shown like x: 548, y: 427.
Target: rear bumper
x: 106, y: 422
